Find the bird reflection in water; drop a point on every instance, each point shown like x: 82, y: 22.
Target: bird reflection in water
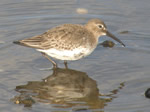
x: 65, y: 88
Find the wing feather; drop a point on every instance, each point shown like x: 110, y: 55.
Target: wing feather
x: 61, y: 37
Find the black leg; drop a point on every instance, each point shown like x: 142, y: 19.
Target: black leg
x: 53, y: 62
x: 65, y: 63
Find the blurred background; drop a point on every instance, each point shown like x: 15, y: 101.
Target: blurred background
x: 109, y: 80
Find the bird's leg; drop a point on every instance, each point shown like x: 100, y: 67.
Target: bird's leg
x: 65, y: 63
x: 53, y: 62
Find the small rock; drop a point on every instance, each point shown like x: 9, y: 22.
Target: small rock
x: 17, y: 102
x: 147, y: 93
x: 81, y: 11
x: 108, y: 43
x: 124, y: 32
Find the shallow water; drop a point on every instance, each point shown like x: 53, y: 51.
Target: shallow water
x: 109, y: 80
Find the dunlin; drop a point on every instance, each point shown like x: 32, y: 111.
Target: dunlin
x: 69, y: 41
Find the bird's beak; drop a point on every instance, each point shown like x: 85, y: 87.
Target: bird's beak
x: 115, y: 38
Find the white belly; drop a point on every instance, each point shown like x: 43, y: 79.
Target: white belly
x: 74, y: 54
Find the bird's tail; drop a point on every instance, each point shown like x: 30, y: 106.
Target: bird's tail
x: 19, y: 43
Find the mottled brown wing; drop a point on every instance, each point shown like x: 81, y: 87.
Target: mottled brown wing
x: 33, y: 42
x: 66, y: 36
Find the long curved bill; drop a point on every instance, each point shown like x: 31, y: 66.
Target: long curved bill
x: 115, y: 38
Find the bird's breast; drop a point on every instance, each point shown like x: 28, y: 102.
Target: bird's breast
x: 73, y: 54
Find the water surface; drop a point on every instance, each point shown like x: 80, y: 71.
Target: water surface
x: 109, y: 80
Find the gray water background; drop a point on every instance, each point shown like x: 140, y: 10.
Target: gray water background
x: 109, y: 67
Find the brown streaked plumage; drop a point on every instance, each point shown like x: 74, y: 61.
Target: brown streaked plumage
x: 69, y: 41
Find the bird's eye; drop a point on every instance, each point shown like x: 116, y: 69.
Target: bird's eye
x: 100, y: 26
